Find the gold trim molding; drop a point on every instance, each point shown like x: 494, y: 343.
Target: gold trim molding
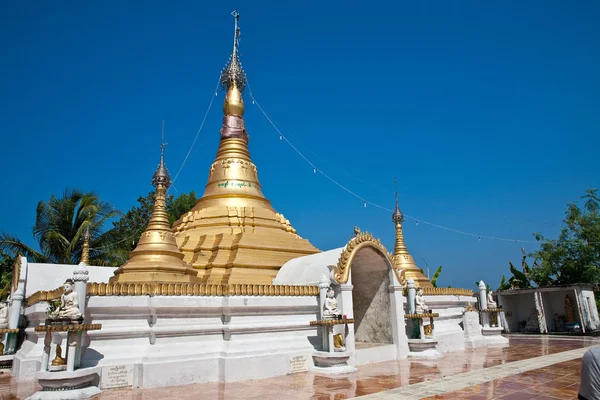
x: 16, y: 272
x: 433, y: 291
x: 179, y: 289
x: 341, y: 271
x: 68, y: 328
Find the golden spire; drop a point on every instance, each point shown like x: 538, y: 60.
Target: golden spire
x: 156, y: 257
x: 402, y: 259
x: 85, y: 249
x: 233, y: 235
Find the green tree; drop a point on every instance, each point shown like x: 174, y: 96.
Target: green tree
x: 435, y: 276
x: 59, y: 227
x: 575, y: 256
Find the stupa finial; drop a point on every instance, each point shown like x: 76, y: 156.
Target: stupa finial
x: 233, y: 77
x: 161, y: 175
x: 85, y: 248
x: 397, y: 216
x: 156, y: 258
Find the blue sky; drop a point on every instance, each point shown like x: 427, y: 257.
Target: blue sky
x: 486, y: 113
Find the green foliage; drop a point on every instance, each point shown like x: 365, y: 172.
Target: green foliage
x: 53, y: 305
x: 575, y: 256
x: 436, y: 275
x: 59, y: 227
x: 6, y: 272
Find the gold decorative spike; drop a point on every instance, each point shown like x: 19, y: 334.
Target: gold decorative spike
x: 233, y: 235
x: 156, y: 257
x: 85, y: 249
x: 58, y: 360
x: 402, y: 259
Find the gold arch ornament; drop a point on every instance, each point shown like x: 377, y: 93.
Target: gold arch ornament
x: 341, y: 271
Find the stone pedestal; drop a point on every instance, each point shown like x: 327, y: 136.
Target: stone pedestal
x: 332, y: 360
x: 492, y: 329
x: 78, y: 384
x: 472, y: 329
x: 423, y: 348
x: 332, y: 363
x: 73, y: 383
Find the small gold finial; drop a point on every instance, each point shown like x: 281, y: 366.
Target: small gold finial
x: 58, y: 360
x: 233, y: 77
x: 85, y: 249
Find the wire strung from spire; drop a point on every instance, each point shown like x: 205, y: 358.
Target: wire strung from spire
x: 365, y: 201
x: 212, y: 99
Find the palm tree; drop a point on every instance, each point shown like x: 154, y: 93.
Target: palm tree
x: 59, y: 227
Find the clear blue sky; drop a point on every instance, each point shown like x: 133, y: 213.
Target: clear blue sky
x: 486, y: 113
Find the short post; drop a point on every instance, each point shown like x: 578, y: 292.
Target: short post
x: 80, y: 277
x: 13, y: 322
x: 412, y: 294
x: 482, y: 296
x: 46, y: 355
x: 72, y: 350
x: 323, y: 287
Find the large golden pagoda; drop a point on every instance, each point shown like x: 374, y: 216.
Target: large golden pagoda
x: 156, y: 258
x: 233, y: 235
x: 402, y: 260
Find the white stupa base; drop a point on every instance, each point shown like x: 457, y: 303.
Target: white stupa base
x: 423, y: 348
x: 79, y: 384
x: 332, y: 363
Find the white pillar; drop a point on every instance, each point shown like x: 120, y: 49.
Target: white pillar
x: 398, y: 322
x: 348, y: 311
x: 13, y: 321
x: 81, y: 278
x: 46, y: 354
x: 72, y: 350
x: 412, y: 295
x: 482, y: 296
x: 323, y: 287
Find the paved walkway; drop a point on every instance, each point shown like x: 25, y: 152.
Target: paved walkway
x: 532, y: 367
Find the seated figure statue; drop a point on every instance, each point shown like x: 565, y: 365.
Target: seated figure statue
x: 420, y: 306
x: 490, y: 301
x: 3, y: 316
x: 330, y: 309
x: 69, y: 304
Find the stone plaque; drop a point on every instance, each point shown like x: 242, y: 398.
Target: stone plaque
x: 298, y: 364
x: 471, y: 324
x: 116, y: 376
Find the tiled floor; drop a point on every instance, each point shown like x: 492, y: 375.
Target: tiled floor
x: 560, y: 380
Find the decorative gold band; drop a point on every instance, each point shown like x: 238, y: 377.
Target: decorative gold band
x: 180, y: 289
x: 432, y: 291
x: 68, y: 328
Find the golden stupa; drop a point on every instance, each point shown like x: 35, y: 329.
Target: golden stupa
x: 402, y: 260
x: 233, y: 235
x: 156, y: 258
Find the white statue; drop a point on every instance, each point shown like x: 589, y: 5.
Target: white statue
x: 420, y: 306
x: 330, y: 309
x: 3, y: 315
x: 69, y: 304
x: 490, y: 301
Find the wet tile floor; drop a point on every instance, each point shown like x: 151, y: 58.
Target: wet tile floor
x: 557, y: 381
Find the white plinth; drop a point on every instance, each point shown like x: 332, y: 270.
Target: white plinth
x: 79, y: 384
x: 472, y: 330
x: 493, y: 336
x: 423, y: 348
x: 332, y: 363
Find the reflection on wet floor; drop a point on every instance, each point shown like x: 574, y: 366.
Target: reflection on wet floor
x: 562, y: 378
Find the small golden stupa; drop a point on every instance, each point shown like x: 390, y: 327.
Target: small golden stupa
x: 233, y: 235
x: 156, y: 258
x: 402, y: 260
